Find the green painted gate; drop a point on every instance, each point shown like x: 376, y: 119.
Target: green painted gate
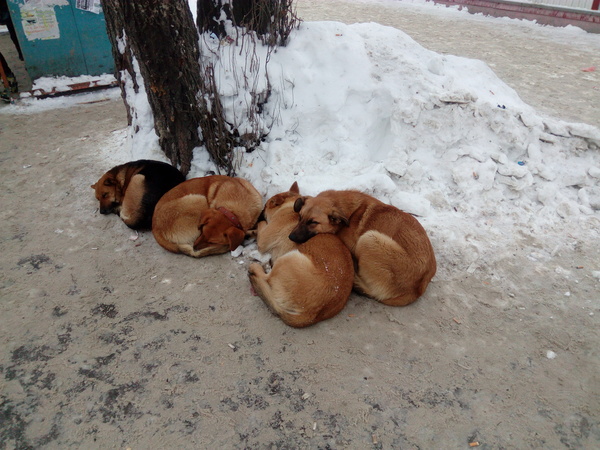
x: 62, y: 37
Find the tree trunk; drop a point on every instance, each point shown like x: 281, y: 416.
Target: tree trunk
x: 162, y: 37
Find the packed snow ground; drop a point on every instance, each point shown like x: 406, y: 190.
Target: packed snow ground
x: 365, y: 107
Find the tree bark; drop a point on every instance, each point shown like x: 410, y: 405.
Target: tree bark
x: 162, y: 37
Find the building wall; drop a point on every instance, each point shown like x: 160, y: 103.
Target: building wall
x: 583, y: 4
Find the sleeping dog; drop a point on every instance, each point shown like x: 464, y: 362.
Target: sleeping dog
x: 394, y: 259
x: 132, y: 190
x: 206, y: 216
x: 308, y: 282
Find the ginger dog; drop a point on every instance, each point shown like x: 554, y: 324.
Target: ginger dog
x: 394, y: 259
x: 206, y: 216
x: 132, y: 190
x: 309, y: 282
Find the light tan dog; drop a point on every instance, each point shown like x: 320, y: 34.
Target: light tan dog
x: 393, y: 256
x: 206, y: 216
x: 132, y: 190
x: 309, y: 282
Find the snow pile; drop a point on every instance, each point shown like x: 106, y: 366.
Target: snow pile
x: 142, y: 136
x: 63, y: 84
x: 365, y: 107
x: 240, y: 70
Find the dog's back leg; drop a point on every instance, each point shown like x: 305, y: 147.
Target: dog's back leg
x: 175, y: 223
x: 280, y: 288
x: 384, y: 270
x: 132, y: 209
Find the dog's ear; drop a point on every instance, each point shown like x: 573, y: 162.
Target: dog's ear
x: 109, y: 182
x: 295, y: 189
x: 93, y: 186
x: 235, y: 237
x: 275, y: 202
x: 205, y: 217
x: 337, y: 218
x: 299, y: 203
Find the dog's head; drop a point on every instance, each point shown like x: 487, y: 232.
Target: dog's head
x: 108, y: 193
x: 274, y: 203
x: 217, y: 233
x: 317, y: 215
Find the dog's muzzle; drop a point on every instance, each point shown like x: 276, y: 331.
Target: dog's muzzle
x: 114, y: 207
x: 298, y: 237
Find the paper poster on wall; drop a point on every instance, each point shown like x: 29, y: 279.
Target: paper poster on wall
x: 39, y: 23
x: 89, y: 5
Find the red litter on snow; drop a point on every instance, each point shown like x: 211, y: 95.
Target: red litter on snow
x: 589, y: 69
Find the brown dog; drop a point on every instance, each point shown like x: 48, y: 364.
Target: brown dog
x: 206, y: 216
x: 132, y: 190
x: 309, y: 282
x: 394, y: 258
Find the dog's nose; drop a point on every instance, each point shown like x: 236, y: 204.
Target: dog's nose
x: 296, y: 238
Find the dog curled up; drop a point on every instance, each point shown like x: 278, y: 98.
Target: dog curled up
x: 206, y: 216
x: 394, y: 260
x: 132, y: 190
x: 308, y: 282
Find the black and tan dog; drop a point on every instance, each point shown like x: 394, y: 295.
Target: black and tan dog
x: 132, y: 190
x: 309, y: 282
x: 393, y: 256
x: 206, y: 216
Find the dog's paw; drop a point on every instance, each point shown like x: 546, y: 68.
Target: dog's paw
x: 254, y: 270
